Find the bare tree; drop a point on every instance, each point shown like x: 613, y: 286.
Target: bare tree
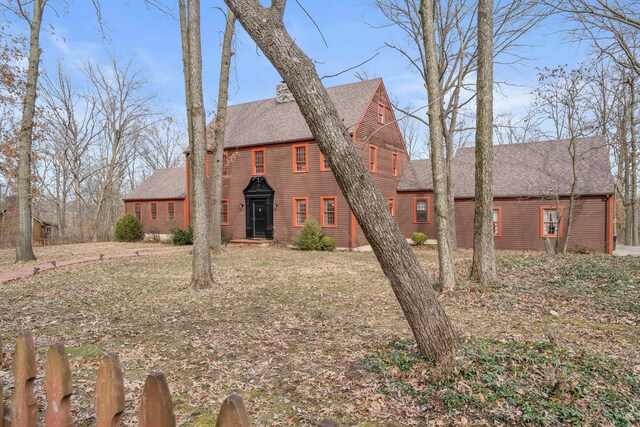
x: 562, y: 98
x: 455, y: 33
x: 447, y: 277
x: 192, y: 57
x: 483, y: 267
x: 219, y: 131
x: 412, y: 135
x: 73, y: 130
x: 431, y: 327
x: 163, y: 145
x: 24, y: 243
x: 124, y: 110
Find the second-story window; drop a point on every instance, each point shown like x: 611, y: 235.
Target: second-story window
x: 373, y: 158
x: 299, y: 153
x: 259, y: 161
x: 394, y: 164
x: 324, y: 165
x: 381, y: 113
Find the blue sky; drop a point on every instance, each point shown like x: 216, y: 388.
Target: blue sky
x: 152, y: 39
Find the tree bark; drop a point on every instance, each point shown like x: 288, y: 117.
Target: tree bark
x: 24, y: 243
x: 447, y: 277
x: 483, y: 267
x: 220, y: 125
x: 184, y: 35
x: 431, y: 327
x: 634, y: 168
x: 201, y: 274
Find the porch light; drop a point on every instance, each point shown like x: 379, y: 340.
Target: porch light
x: 241, y: 206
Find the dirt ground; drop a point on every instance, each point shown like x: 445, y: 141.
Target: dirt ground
x: 304, y: 336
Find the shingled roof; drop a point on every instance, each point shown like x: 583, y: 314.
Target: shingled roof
x: 163, y: 184
x: 540, y: 168
x: 266, y: 122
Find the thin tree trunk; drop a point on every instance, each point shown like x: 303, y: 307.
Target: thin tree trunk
x: 219, y: 131
x: 447, y: 277
x: 24, y: 243
x: 483, y: 267
x: 451, y: 197
x: 634, y: 169
x: 431, y: 327
x: 572, y: 194
x: 201, y: 275
x: 184, y: 33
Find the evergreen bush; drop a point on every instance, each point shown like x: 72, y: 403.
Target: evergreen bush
x: 310, y: 236
x: 328, y: 243
x: 129, y: 229
x: 181, y: 237
x: 418, y: 238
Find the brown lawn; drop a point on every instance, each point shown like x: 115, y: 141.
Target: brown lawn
x: 45, y: 254
x: 297, y: 333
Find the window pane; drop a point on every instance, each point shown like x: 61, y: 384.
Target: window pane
x: 154, y: 211
x: 301, y: 158
x: 421, y: 210
x: 224, y: 212
x: 301, y: 211
x: 496, y: 219
x: 259, y: 161
x: 551, y: 222
x: 138, y: 211
x: 171, y: 209
x: 329, y: 211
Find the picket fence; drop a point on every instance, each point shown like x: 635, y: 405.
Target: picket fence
x: 156, y: 405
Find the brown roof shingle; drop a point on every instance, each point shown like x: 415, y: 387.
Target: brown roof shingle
x: 168, y: 183
x: 540, y: 168
x: 265, y: 122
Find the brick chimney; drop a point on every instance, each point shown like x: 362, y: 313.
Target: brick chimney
x: 283, y: 94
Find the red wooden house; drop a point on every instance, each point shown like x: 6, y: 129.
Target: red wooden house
x: 275, y: 178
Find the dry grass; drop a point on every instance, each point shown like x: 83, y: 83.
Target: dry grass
x: 289, y: 330
x: 45, y: 254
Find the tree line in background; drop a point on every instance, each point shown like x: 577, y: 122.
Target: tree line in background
x: 452, y: 44
x: 95, y: 137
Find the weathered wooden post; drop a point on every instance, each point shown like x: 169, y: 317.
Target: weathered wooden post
x: 24, y: 406
x: 156, y: 406
x: 109, y: 399
x: 233, y: 413
x: 59, y: 388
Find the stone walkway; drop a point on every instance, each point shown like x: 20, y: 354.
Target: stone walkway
x: 21, y: 273
x: 622, y: 250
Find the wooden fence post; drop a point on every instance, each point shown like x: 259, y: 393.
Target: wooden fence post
x: 59, y: 387
x: 109, y: 399
x: 24, y: 406
x: 232, y: 413
x: 156, y: 406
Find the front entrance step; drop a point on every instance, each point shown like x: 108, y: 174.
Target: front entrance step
x: 250, y: 241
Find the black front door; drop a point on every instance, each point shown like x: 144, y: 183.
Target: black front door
x: 259, y: 217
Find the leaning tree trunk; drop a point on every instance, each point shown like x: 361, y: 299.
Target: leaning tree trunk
x: 201, y: 274
x: 220, y: 125
x: 431, y: 327
x: 483, y: 267
x: 24, y: 243
x: 447, y: 277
